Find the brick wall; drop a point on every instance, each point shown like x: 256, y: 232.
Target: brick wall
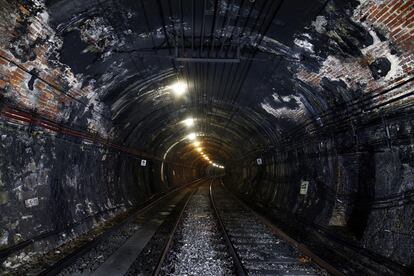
x: 396, y: 16
x: 27, y: 52
x: 395, y: 19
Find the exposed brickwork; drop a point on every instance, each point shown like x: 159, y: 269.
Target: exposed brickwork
x: 396, y: 17
x: 393, y: 18
x: 56, y: 91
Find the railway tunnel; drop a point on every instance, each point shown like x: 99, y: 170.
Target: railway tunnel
x: 210, y: 137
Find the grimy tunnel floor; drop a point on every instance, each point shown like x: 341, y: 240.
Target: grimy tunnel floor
x: 206, y: 137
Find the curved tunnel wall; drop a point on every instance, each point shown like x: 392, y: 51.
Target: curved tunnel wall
x: 52, y: 185
x: 362, y: 191
x: 323, y: 97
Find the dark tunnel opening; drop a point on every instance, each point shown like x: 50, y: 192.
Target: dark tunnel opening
x: 297, y: 113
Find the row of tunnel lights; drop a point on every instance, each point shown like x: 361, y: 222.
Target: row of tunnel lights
x: 179, y: 89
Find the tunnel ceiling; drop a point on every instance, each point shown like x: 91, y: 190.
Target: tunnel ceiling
x: 259, y: 73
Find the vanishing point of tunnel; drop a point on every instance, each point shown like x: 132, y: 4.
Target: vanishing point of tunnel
x: 206, y: 137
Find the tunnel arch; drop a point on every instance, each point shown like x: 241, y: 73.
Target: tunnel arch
x: 284, y: 94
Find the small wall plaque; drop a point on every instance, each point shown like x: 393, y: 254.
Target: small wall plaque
x: 31, y: 202
x: 304, y: 187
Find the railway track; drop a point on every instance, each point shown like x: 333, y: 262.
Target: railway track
x: 253, y: 244
x: 140, y: 250
x: 246, y: 245
x: 197, y: 247
x: 198, y: 230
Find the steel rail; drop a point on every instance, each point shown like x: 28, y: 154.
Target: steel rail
x: 240, y: 270
x: 301, y: 247
x: 168, y: 244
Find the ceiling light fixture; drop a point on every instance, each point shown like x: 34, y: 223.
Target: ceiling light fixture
x: 192, y: 136
x: 179, y: 88
x: 189, y: 122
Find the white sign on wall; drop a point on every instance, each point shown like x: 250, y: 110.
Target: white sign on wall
x: 143, y: 163
x: 304, y: 187
x: 31, y: 202
x: 259, y: 161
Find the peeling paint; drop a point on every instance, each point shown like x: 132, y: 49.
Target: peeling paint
x: 396, y: 69
x: 304, y: 44
x: 320, y: 23
x: 98, y: 34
